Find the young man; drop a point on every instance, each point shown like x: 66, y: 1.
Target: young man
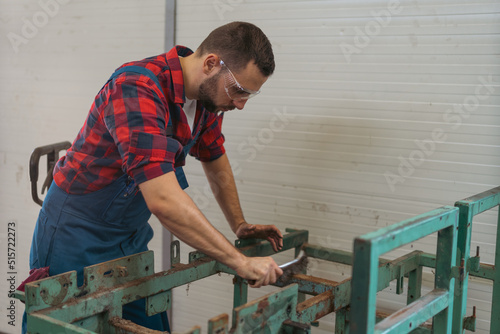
x: 126, y: 162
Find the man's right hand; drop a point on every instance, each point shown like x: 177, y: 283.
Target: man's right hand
x: 259, y: 271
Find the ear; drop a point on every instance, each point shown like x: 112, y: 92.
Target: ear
x: 210, y: 63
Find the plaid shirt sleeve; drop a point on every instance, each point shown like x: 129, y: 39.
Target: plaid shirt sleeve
x: 136, y: 119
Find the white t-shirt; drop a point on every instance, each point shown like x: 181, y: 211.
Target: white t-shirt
x: 190, y: 111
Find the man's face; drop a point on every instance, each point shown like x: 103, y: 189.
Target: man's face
x: 213, y: 90
x: 208, y: 93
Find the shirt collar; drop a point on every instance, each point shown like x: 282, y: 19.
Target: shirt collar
x: 177, y: 94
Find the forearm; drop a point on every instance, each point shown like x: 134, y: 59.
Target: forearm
x: 221, y: 179
x: 179, y: 214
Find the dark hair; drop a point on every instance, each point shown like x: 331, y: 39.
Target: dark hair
x: 237, y: 43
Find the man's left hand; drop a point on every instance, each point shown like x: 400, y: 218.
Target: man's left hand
x: 267, y: 232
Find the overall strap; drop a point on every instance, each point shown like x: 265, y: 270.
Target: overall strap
x: 179, y: 172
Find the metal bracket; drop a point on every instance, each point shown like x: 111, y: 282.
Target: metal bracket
x: 175, y: 253
x: 474, y: 263
x: 118, y: 271
x: 400, y: 281
x: 159, y: 303
x: 470, y: 322
x: 196, y: 255
x: 266, y: 313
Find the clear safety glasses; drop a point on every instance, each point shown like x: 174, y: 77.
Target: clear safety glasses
x: 233, y: 88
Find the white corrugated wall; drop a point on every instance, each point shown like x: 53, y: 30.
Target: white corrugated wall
x: 49, y: 76
x: 378, y: 111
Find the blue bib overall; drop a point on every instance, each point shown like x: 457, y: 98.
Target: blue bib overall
x: 76, y: 231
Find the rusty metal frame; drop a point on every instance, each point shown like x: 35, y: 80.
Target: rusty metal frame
x: 56, y: 303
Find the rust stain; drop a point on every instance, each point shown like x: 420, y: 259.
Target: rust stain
x: 399, y: 312
x: 52, y: 300
x: 326, y: 300
x: 310, y: 284
x: 380, y: 314
x: 181, y: 266
x: 127, y: 326
x: 263, y: 305
x: 487, y: 265
x: 383, y: 315
x: 220, y: 318
x: 316, y: 280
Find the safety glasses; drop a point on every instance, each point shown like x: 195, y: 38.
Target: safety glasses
x: 233, y: 88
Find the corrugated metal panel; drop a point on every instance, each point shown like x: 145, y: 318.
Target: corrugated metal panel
x: 354, y: 153
x: 47, y: 87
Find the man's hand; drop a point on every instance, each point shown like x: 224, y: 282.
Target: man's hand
x: 267, y: 232
x: 259, y: 271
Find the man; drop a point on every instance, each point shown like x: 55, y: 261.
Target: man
x: 126, y: 162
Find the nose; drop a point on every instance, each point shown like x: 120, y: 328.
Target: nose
x: 239, y: 103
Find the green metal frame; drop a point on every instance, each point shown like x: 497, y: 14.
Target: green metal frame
x: 96, y: 306
x: 56, y: 304
x: 470, y: 265
x: 437, y: 304
x: 469, y: 208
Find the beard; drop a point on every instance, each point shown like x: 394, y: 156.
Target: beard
x: 208, y: 91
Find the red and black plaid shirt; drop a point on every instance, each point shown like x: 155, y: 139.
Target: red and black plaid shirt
x: 125, y: 131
